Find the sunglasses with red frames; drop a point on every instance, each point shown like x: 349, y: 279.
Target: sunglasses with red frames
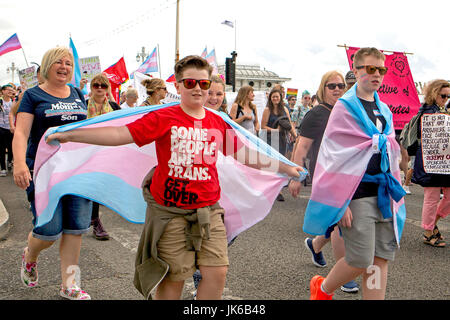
x: 333, y: 86
x: 99, y: 85
x: 191, y: 83
x: 372, y: 69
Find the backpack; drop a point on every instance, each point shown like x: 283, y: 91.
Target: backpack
x: 409, y: 138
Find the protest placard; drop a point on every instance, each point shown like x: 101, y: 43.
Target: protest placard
x: 28, y: 78
x: 436, y: 143
x: 90, y: 67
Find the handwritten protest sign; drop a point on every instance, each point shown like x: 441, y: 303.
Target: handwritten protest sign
x: 90, y: 67
x: 28, y: 77
x: 398, y: 90
x: 436, y: 143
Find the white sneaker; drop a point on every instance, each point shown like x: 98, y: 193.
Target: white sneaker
x: 406, y: 188
x: 3, y: 173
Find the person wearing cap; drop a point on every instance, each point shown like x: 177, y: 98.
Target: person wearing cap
x: 299, y: 113
x: 350, y: 80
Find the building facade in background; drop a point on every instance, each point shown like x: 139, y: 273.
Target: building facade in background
x: 252, y: 75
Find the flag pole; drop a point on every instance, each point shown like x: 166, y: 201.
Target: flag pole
x: 235, y: 35
x: 23, y: 51
x: 389, y: 51
x: 177, y: 38
x: 159, y: 62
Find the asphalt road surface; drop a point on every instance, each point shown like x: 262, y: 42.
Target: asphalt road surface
x: 268, y: 261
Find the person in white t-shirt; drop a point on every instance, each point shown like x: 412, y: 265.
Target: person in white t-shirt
x: 131, y: 97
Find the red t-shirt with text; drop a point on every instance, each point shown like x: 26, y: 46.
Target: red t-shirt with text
x: 187, y: 151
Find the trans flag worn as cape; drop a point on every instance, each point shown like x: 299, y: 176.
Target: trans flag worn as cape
x: 349, y: 142
x: 112, y: 176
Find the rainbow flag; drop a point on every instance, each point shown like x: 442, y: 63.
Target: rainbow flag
x: 112, y: 176
x: 11, y: 44
x: 292, y: 92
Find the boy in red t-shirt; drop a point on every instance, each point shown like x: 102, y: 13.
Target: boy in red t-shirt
x: 188, y: 138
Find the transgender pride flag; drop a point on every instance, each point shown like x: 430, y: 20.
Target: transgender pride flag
x: 112, y: 176
x: 211, y: 58
x: 11, y: 44
x: 150, y: 64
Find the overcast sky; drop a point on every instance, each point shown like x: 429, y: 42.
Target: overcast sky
x: 295, y: 39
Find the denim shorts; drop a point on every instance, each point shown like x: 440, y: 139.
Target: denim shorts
x: 72, y: 216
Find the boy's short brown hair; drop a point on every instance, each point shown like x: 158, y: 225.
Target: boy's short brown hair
x: 196, y: 62
x: 364, y: 52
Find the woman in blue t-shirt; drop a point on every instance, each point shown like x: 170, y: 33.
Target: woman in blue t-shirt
x: 50, y: 104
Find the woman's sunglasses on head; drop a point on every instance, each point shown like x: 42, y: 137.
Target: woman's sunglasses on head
x: 191, y: 83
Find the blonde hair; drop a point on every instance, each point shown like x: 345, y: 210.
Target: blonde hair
x: 323, y: 82
x: 153, y: 84
x: 217, y: 79
x: 242, y: 95
x: 53, y: 55
x: 100, y: 78
x: 432, y: 90
x: 364, y: 52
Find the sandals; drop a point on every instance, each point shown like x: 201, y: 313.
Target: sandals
x: 437, y: 233
x: 433, y: 241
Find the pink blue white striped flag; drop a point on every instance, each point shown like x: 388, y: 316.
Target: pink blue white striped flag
x: 150, y: 64
x: 204, y: 53
x: 11, y: 44
x: 349, y: 142
x: 211, y: 58
x: 112, y: 176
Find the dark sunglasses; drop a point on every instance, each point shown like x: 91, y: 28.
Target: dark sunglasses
x: 445, y: 96
x: 191, y: 83
x: 372, y: 69
x: 333, y: 86
x: 99, y: 85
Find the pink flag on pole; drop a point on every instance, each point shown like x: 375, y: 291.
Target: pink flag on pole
x: 398, y: 90
x: 11, y: 44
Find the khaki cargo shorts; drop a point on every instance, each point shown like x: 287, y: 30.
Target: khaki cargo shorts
x: 182, y: 262
x: 369, y: 236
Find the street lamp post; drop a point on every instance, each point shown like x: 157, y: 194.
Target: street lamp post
x: 12, y: 69
x: 177, y: 33
x: 141, y: 56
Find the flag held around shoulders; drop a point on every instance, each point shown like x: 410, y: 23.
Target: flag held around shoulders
x: 112, y: 176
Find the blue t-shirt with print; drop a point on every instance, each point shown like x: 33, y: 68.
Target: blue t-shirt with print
x: 50, y: 111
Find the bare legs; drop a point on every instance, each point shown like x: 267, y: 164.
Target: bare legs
x: 69, y: 250
x: 210, y: 288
